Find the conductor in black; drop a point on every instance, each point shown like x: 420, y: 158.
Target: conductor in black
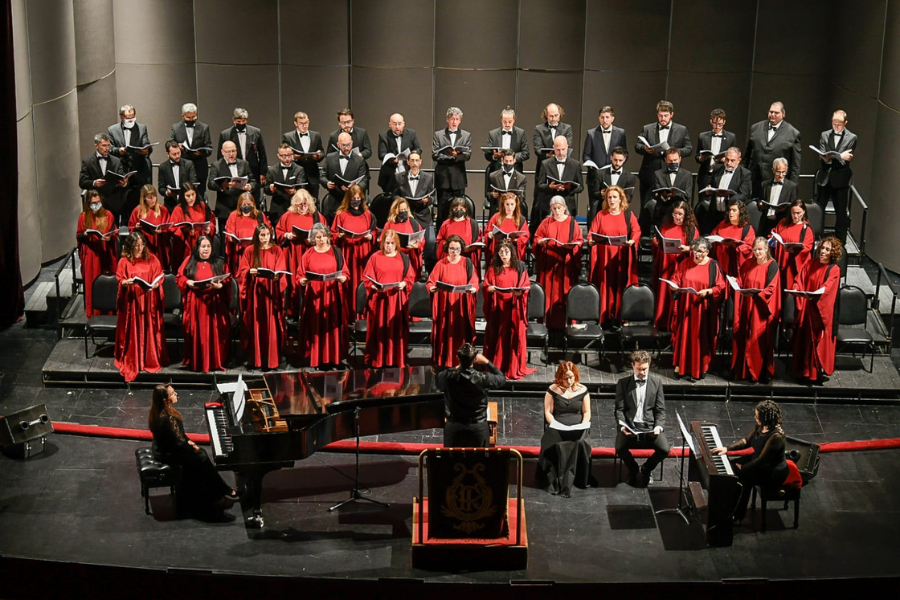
x: 465, y: 398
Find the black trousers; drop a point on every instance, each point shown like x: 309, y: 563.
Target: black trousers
x: 748, y: 479
x: 466, y: 435
x: 625, y: 443
x: 840, y: 197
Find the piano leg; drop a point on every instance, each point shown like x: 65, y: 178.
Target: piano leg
x: 251, y: 480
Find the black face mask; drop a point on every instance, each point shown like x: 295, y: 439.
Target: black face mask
x: 672, y: 167
x: 189, y: 123
x: 458, y: 213
x: 507, y: 168
x: 246, y: 209
x: 402, y: 216
x: 356, y: 203
x: 241, y: 128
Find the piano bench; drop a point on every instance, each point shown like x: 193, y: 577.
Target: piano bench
x: 776, y: 494
x: 154, y: 474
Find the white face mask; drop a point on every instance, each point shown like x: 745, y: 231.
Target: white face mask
x: 95, y: 206
x: 129, y: 122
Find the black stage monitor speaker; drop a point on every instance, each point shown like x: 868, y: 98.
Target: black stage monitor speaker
x: 23, y: 433
x: 805, y: 455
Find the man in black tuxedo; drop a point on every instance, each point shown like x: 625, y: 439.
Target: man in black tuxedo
x: 834, y: 174
x: 641, y: 406
x: 671, y: 176
x: 93, y: 176
x: 507, y: 179
x: 599, y: 142
x: 360, y: 137
x: 397, y: 139
x: 616, y: 174
x: 196, y: 143
x: 716, y: 141
x: 663, y: 130
x: 451, y: 148
x: 558, y: 176
x: 771, y: 139
x: 226, y: 193
x: 778, y: 191
x: 545, y: 133
x: 129, y: 133
x: 172, y: 174
x: 505, y: 137
x: 250, y: 147
x: 285, y: 173
x: 340, y: 169
x: 416, y: 183
x: 311, y: 153
x: 729, y: 175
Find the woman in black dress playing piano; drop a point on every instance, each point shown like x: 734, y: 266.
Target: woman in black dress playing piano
x: 202, y: 489
x: 766, y: 464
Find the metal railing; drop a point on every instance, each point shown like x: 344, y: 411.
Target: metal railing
x: 70, y: 257
x: 876, y: 302
x: 854, y: 195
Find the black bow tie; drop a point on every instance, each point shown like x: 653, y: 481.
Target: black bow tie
x: 506, y: 132
x: 640, y: 382
x: 451, y: 131
x: 414, y: 178
x: 619, y: 172
x: 560, y: 162
x: 773, y: 127
x: 101, y: 157
x: 606, y: 131
x: 342, y: 157
x: 731, y: 171
x: 836, y: 133
x: 718, y: 135
x: 661, y: 127
x: 777, y: 183
x: 234, y: 164
x: 302, y: 134
x: 175, y: 164
x: 188, y: 123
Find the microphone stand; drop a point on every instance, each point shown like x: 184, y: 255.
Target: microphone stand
x: 355, y: 493
x: 679, y: 508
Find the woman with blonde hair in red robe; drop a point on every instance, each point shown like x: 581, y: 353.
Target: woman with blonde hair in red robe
x: 152, y: 219
x: 815, y: 322
x: 557, y: 255
x: 400, y: 220
x: 756, y: 316
x: 292, y: 233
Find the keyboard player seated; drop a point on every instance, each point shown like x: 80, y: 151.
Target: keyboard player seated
x: 640, y: 416
x: 766, y: 465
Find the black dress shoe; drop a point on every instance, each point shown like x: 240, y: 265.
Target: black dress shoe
x: 691, y: 379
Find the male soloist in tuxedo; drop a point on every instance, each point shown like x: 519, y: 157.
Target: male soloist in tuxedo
x: 226, y: 193
x: 616, y: 174
x: 359, y: 135
x: 664, y: 130
x: 172, y: 174
x: 311, y: 152
x: 93, y: 176
x: 672, y: 175
x: 778, y: 191
x: 285, y: 173
x: 250, y: 147
x: 396, y: 140
x: 451, y: 148
x: 600, y: 141
x: 641, y: 406
x: 771, y: 139
x: 507, y: 179
x: 716, y: 141
x: 341, y: 168
x: 196, y: 143
x: 834, y: 175
x: 729, y: 175
x: 558, y: 176
x: 505, y: 137
x: 129, y: 133
x: 416, y: 183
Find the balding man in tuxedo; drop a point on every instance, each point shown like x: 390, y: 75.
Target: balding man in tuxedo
x: 226, y: 192
x: 196, y: 143
x: 558, y: 176
x: 340, y: 169
x: 248, y: 141
x: 396, y: 140
x: 834, y: 175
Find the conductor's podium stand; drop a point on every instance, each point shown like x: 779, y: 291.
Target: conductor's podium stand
x: 468, y: 520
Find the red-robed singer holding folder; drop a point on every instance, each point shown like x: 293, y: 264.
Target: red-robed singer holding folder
x: 814, y: 321
x: 756, y: 316
x: 198, y: 220
x: 453, y: 310
x: 96, y: 245
x: 207, y: 332
x: 506, y: 287
x: 262, y: 278
x: 557, y: 254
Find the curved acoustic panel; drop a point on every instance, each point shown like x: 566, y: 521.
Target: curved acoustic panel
x: 97, y: 109
x: 29, y: 215
x: 95, y: 48
x: 159, y: 32
x: 51, y: 48
x: 236, y: 32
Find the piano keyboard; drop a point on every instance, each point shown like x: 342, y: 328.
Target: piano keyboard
x: 221, y: 441
x: 711, y: 437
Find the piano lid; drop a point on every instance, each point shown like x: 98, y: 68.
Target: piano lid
x: 316, y: 393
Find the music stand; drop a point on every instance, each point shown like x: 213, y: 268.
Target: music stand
x: 685, y: 442
x: 355, y: 493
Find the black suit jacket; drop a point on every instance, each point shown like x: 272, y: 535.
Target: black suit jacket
x: 678, y: 138
x: 165, y: 177
x: 226, y: 200
x: 518, y: 144
x: 836, y: 173
x: 517, y: 182
x: 310, y: 167
x: 654, y: 402
x: 296, y: 176
x: 131, y: 161
x: 90, y: 171
x: 684, y: 180
x: 571, y: 172
x: 356, y: 167
x: 201, y: 139
x: 360, y: 140
x: 421, y: 210
x: 541, y: 139
x: 256, y: 149
x: 450, y: 171
x: 785, y: 198
x: 761, y: 153
x: 595, y: 150
x: 704, y: 142
x: 603, y: 179
x: 387, y: 144
x: 741, y: 182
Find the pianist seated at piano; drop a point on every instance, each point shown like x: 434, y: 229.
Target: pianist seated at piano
x: 202, y: 492
x: 640, y: 418
x: 766, y: 464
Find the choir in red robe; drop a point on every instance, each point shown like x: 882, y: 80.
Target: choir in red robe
x: 207, y: 331
x: 454, y: 312
x: 323, y: 318
x: 239, y: 230
x: 557, y: 266
x: 731, y: 255
x: 356, y: 250
x: 399, y: 220
x: 387, y: 310
x: 262, y: 302
x: 815, y: 330
x: 613, y: 268
x: 96, y: 252
x: 680, y: 225
x: 793, y: 229
x: 506, y: 313
x: 145, y: 217
x: 756, y: 317
x: 190, y: 209
x: 302, y: 215
x: 509, y: 219
x: 468, y: 230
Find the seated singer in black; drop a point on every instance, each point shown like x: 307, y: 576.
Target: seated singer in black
x: 202, y: 490
x: 766, y: 465
x: 641, y: 405
x: 465, y: 398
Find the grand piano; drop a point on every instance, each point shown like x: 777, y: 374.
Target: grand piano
x: 713, y: 488
x: 287, y: 417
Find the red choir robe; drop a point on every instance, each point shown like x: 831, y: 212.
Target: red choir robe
x: 323, y: 316
x: 183, y: 238
x: 695, y: 320
x: 157, y: 242
x: 558, y: 267
x: 508, y: 225
x: 356, y: 252
x: 242, y: 227
x: 262, y: 308
x: 387, y: 311
x: 756, y: 320
x: 664, y: 266
x: 792, y: 262
x: 207, y: 331
x: 454, y: 314
x: 814, y: 327
x: 731, y: 256
x: 140, y: 336
x: 294, y: 249
x: 96, y: 256
x: 469, y: 231
x: 506, y: 313
x: 613, y: 268
x: 414, y: 254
